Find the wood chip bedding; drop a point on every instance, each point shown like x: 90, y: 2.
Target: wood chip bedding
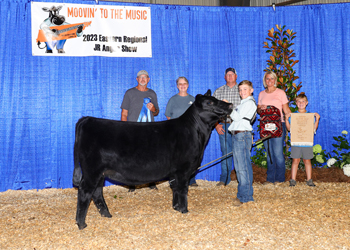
x: 281, y: 217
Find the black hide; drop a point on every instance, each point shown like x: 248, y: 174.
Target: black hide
x: 136, y: 153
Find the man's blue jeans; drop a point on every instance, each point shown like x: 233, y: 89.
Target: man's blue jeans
x: 277, y: 169
x: 226, y: 147
x: 192, y: 180
x: 242, y: 144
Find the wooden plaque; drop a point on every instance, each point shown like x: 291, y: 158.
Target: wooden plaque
x: 302, y: 129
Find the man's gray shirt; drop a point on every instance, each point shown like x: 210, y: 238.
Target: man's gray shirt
x: 133, y: 102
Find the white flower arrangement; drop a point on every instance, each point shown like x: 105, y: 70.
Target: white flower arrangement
x: 330, y: 162
x: 346, y: 170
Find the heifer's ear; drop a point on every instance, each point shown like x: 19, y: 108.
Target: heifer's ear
x: 208, y: 93
x: 46, y: 9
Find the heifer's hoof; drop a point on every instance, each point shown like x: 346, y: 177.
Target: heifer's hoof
x: 48, y: 51
x: 61, y: 51
x: 132, y: 188
x: 81, y: 226
x: 153, y: 187
x: 105, y: 214
x: 182, y: 210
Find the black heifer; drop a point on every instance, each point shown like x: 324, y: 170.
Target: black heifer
x: 136, y: 153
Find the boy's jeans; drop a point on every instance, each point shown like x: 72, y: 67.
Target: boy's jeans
x: 242, y: 144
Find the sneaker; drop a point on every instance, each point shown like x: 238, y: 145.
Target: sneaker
x: 220, y: 184
x: 194, y: 185
x: 292, y: 183
x: 310, y: 183
x: 237, y: 202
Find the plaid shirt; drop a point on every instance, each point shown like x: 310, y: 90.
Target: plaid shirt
x: 229, y: 94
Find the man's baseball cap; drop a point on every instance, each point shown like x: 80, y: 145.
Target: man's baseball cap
x: 142, y: 72
x: 231, y: 69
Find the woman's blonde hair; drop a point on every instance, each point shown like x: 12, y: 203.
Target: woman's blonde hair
x: 269, y: 73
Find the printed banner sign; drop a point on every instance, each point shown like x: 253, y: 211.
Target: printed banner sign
x: 63, y: 29
x: 302, y: 129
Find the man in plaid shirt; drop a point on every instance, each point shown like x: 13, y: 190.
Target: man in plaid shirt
x: 228, y: 93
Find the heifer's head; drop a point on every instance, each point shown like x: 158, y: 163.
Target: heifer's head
x: 210, y: 109
x: 54, y: 15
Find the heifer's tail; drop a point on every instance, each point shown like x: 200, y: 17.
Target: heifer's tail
x: 77, y: 174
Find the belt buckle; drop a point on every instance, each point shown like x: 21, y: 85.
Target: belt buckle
x: 240, y: 131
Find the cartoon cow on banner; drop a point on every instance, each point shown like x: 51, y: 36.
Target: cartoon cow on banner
x: 54, y: 30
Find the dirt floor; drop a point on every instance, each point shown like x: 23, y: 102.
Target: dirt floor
x: 281, y: 217
x: 332, y: 174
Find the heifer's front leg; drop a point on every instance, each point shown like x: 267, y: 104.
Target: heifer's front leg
x: 180, y: 190
x: 99, y: 201
x: 84, y: 198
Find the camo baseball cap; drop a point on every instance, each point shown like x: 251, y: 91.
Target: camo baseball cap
x: 142, y: 72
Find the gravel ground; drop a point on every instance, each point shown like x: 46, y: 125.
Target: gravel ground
x: 281, y: 217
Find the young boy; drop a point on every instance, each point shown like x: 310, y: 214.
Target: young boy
x: 301, y: 151
x: 241, y: 130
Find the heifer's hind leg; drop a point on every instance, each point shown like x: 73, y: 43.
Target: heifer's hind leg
x: 180, y: 190
x: 84, y: 198
x: 99, y: 201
